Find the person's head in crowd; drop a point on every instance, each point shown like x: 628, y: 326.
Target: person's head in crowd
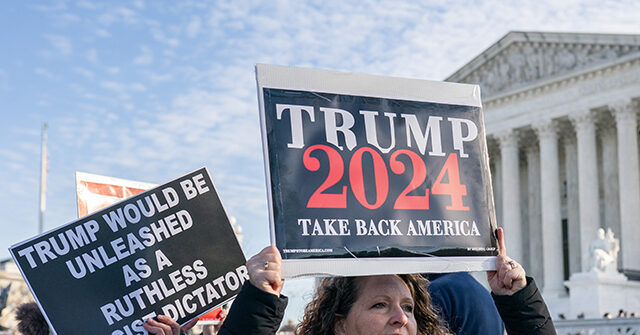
x: 367, y: 305
x: 633, y: 315
x: 30, y: 320
x: 378, y: 304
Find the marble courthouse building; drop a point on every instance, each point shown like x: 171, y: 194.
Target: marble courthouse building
x: 561, y: 115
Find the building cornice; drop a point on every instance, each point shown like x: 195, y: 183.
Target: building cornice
x: 545, y: 85
x: 540, y: 37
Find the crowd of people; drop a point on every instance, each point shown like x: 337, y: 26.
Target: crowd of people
x: 398, y: 304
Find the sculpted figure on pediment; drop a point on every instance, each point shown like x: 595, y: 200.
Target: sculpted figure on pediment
x: 581, y: 58
x: 564, y: 59
x: 527, y: 62
x: 517, y: 62
x: 490, y: 79
x: 547, y: 68
x: 504, y: 68
x: 531, y: 68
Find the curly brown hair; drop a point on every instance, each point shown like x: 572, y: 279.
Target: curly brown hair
x: 335, y: 296
x: 30, y: 320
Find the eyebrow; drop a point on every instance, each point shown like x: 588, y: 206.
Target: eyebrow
x: 389, y: 297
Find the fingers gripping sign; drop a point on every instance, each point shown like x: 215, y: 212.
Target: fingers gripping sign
x: 265, y: 270
x: 509, y: 276
x: 163, y: 325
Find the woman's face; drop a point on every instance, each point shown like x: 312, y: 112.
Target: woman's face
x: 384, y: 306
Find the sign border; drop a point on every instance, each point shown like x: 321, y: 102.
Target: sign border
x: 333, y: 82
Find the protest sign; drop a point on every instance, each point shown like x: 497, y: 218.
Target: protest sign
x: 95, y: 192
x: 370, y: 174
x: 211, y: 318
x: 169, y: 250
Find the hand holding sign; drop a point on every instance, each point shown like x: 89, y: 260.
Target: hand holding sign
x: 164, y: 325
x: 509, y: 276
x: 265, y: 270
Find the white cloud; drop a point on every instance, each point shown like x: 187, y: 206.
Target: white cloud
x: 50, y: 6
x: 68, y: 19
x: 112, y: 86
x: 103, y: 33
x: 127, y: 15
x: 61, y: 44
x: 92, y: 55
x: 137, y: 87
x: 43, y: 72
x: 122, y: 89
x: 161, y: 37
x: 145, y: 57
x: 87, y: 5
x: 160, y: 78
x: 11, y: 155
x: 194, y: 26
x: 113, y: 70
x: 119, y: 14
x: 138, y: 4
x: 84, y: 72
x: 107, y: 19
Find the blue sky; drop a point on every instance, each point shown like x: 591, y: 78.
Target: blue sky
x: 151, y: 90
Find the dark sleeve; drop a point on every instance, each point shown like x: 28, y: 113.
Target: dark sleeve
x: 525, y: 312
x: 254, y: 312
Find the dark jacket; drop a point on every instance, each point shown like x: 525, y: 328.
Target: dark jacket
x: 256, y: 312
x: 463, y: 304
x: 525, y: 312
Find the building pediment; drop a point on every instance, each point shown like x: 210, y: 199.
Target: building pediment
x: 521, y: 59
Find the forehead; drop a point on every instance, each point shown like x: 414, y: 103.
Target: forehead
x: 389, y: 284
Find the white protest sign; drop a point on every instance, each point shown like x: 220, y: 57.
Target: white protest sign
x: 371, y: 175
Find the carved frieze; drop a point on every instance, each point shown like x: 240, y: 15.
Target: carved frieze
x: 522, y: 63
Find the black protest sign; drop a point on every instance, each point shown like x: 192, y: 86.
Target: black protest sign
x: 364, y: 176
x: 169, y: 250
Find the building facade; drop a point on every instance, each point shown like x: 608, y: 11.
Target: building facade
x: 18, y: 293
x: 561, y: 121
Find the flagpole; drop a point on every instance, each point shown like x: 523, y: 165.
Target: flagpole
x: 43, y: 178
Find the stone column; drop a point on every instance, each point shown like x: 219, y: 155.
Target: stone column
x: 511, y: 222
x: 573, y: 209
x: 629, y: 182
x: 496, y: 175
x: 610, y: 185
x: 550, y: 205
x: 535, y: 268
x: 587, y: 182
